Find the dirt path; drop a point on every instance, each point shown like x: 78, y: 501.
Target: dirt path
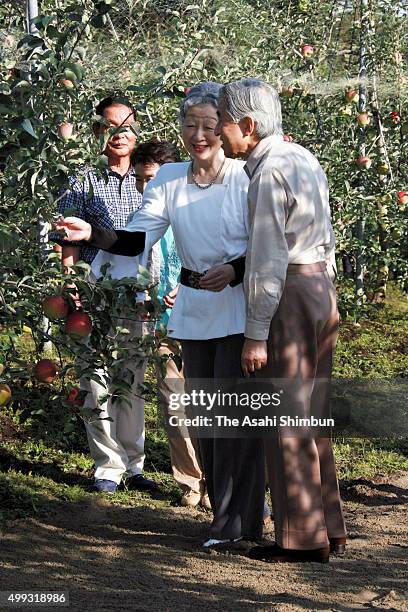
x: 112, y: 558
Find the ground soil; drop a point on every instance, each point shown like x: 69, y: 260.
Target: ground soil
x: 113, y: 558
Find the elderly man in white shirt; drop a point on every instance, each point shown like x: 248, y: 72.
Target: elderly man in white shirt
x: 292, y: 318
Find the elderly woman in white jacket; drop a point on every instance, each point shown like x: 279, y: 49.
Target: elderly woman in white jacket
x: 205, y: 202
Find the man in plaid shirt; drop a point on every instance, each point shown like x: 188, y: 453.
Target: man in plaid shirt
x: 116, y: 446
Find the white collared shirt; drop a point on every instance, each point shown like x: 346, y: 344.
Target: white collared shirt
x: 289, y: 216
x: 210, y: 227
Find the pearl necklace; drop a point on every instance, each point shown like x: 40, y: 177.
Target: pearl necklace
x: 211, y: 183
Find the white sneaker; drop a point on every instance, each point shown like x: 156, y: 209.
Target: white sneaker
x: 213, y: 542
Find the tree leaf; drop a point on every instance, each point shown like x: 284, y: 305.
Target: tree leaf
x: 33, y: 181
x: 27, y: 127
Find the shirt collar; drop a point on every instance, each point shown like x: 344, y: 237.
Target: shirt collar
x: 258, y: 153
x: 130, y: 172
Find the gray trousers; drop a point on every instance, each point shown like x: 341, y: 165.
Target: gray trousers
x: 233, y: 467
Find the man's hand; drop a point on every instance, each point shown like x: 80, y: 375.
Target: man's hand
x: 170, y: 298
x: 74, y: 229
x: 218, y: 277
x: 254, y: 356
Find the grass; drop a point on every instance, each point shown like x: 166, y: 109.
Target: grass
x: 44, y: 462
x: 376, y: 347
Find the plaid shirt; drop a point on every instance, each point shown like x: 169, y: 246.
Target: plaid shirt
x: 107, y: 204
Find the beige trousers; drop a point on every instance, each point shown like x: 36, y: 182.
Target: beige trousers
x: 117, y: 445
x: 184, y: 453
x: 302, y: 473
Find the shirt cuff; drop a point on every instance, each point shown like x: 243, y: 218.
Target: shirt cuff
x: 239, y: 269
x: 102, y: 238
x: 257, y: 330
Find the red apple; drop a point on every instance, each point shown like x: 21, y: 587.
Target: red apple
x: 78, y: 325
x: 402, y: 197
x: 65, y: 130
x: 67, y: 83
x: 45, y: 370
x: 363, y: 162
x: 351, y: 95
x: 187, y: 90
x: 307, y: 51
x: 55, y: 307
x: 287, y: 138
x: 74, y: 397
x: 395, y: 118
x: 363, y: 119
x: 5, y: 394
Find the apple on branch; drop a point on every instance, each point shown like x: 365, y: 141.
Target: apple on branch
x: 45, y: 370
x: 402, y: 199
x: 363, y: 162
x: 363, y: 119
x: 67, y: 83
x: 351, y: 95
x: 78, y: 325
x: 55, y: 307
x: 65, y: 130
x: 5, y: 394
x: 76, y: 397
x: 307, y: 51
x: 395, y: 117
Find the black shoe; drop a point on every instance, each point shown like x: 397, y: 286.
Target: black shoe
x: 276, y: 554
x: 105, y: 486
x: 139, y: 483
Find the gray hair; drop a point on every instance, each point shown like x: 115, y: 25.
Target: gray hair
x: 203, y: 93
x: 256, y: 99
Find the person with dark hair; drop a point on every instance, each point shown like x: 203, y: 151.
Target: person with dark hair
x: 184, y: 453
x: 115, y: 100
x: 205, y: 202
x: 116, y: 445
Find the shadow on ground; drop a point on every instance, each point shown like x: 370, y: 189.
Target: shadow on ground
x: 114, y: 558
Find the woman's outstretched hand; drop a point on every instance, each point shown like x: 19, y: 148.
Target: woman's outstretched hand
x: 218, y: 277
x: 74, y: 229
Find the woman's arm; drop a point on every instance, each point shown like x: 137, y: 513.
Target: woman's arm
x: 119, y: 242
x: 145, y: 227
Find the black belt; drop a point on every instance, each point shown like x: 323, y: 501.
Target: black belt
x: 189, y: 278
